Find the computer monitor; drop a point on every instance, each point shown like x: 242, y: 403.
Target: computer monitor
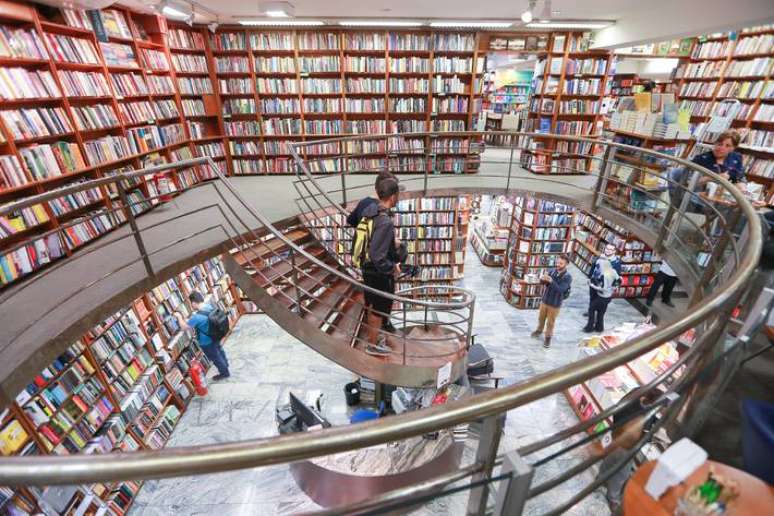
x: 307, y: 415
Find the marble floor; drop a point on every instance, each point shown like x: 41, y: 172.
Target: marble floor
x: 266, y: 362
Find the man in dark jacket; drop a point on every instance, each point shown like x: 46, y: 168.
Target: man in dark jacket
x: 381, y: 265
x: 355, y: 215
x: 558, y: 283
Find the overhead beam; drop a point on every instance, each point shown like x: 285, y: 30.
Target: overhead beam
x: 681, y: 19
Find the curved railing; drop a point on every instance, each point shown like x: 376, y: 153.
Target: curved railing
x: 718, y: 287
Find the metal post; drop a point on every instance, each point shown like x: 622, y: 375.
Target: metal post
x: 295, y: 280
x: 717, y: 252
x: 512, y: 493
x: 471, y: 311
x: 687, y: 193
x: 488, y: 443
x: 603, y: 173
x: 404, y: 333
x: 135, y: 230
x: 343, y: 189
x: 510, y: 167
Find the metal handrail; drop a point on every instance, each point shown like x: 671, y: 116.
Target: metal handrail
x: 205, y: 459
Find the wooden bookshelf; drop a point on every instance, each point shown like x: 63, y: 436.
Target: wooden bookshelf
x: 568, y: 87
x: 58, y: 412
x: 639, y: 262
x: 489, y: 233
x: 727, y: 67
x: 540, y: 232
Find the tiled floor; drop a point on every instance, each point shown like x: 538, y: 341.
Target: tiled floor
x: 266, y: 362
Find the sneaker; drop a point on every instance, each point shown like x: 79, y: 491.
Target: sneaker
x: 669, y: 303
x: 535, y: 334
x: 377, y: 350
x: 219, y: 377
x: 547, y: 342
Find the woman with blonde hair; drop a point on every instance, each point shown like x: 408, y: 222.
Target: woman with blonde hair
x: 604, y: 284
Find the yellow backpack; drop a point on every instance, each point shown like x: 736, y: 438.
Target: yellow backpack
x: 362, y: 243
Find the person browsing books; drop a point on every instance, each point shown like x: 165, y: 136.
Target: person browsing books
x: 375, y: 251
x: 604, y: 285
x: 355, y: 215
x: 558, y: 282
x: 667, y: 277
x: 199, y: 322
x: 608, y: 254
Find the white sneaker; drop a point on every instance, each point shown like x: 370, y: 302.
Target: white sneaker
x: 377, y: 350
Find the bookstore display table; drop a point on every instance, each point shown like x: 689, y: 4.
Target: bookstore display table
x: 755, y: 496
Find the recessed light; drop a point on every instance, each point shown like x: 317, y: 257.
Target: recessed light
x: 276, y: 14
x: 281, y: 23
x: 544, y: 21
x: 277, y: 9
x: 379, y: 23
x: 471, y: 24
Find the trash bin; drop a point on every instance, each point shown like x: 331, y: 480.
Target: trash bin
x: 352, y: 393
x: 758, y: 439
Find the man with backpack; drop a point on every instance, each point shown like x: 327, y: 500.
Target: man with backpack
x: 376, y: 253
x: 210, y: 324
x: 558, y: 282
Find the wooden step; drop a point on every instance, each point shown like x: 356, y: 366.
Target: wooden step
x: 321, y: 307
x: 285, y: 267
x: 316, y: 279
x: 261, y: 250
x: 346, y: 324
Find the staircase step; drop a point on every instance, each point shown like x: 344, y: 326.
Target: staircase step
x: 321, y: 307
x: 349, y: 319
x: 285, y: 267
x: 260, y: 250
x: 316, y: 279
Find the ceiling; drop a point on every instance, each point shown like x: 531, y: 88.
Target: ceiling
x: 430, y: 9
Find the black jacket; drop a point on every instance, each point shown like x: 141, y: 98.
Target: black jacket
x: 353, y: 219
x: 555, y: 291
x: 382, y: 251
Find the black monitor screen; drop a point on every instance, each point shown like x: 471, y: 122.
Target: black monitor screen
x: 308, y: 415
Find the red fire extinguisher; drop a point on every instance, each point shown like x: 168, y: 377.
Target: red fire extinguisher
x: 163, y: 186
x: 199, y: 378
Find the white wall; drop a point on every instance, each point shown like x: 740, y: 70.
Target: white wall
x: 656, y: 69
x: 683, y: 18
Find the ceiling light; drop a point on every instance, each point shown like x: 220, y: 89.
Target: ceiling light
x: 526, y: 16
x: 277, y: 9
x: 571, y: 24
x: 175, y: 10
x: 472, y: 24
x: 380, y: 23
x: 282, y: 23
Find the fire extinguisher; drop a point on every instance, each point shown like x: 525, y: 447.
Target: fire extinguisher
x: 162, y: 182
x: 199, y: 378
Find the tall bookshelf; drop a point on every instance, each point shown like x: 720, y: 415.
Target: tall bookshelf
x: 122, y: 386
x: 737, y: 66
x: 489, y: 233
x: 540, y: 232
x: 569, y: 84
x: 639, y: 262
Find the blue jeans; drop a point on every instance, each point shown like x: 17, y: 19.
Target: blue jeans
x: 217, y: 356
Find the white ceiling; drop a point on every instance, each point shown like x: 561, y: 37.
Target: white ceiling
x: 435, y: 9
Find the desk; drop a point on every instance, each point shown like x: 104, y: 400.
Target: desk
x: 755, y: 496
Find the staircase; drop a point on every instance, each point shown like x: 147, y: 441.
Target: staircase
x: 309, y: 292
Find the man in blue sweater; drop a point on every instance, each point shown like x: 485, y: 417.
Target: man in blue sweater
x: 199, y: 323
x: 558, y: 283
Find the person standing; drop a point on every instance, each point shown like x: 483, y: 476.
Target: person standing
x: 376, y: 253
x: 667, y: 278
x: 604, y: 287
x: 609, y: 254
x: 199, y: 323
x: 558, y: 282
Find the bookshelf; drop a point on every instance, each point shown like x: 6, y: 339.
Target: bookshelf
x: 489, y: 233
x: 569, y: 85
x: 639, y: 262
x: 735, y: 66
x: 540, y: 232
x: 593, y: 396
x: 435, y: 232
x: 122, y: 386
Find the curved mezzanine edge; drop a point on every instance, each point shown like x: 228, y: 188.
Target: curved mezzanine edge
x: 234, y: 456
